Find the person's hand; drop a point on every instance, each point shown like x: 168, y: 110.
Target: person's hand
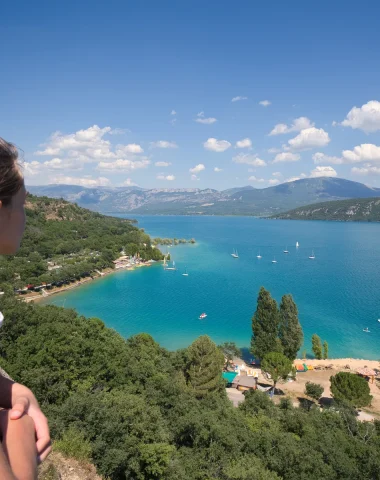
x: 24, y: 402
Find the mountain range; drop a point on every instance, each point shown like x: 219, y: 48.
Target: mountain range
x: 195, y: 201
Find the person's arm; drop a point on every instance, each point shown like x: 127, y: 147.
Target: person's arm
x: 19, y: 459
x: 20, y: 399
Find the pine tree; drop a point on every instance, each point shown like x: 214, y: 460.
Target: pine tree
x: 265, y: 325
x: 290, y: 332
x: 277, y: 365
x: 316, y: 346
x: 204, y: 366
x: 325, y: 350
x: 350, y: 388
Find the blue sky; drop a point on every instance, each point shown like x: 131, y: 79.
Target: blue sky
x: 119, y: 93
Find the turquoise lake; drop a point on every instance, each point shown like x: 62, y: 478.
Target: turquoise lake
x: 337, y: 293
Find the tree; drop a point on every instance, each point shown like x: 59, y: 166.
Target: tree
x: 325, y: 350
x: 350, y: 388
x: 204, y: 365
x: 229, y: 350
x: 277, y: 365
x: 316, y: 346
x: 314, y: 391
x: 265, y: 324
x: 290, y: 331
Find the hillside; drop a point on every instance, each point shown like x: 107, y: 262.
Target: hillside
x: 64, y: 242
x: 138, y: 411
x: 193, y: 201
x: 358, y: 210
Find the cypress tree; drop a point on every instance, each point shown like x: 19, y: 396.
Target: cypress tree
x: 265, y: 325
x: 290, y: 332
x: 204, y: 366
x: 316, y: 346
x: 325, y: 350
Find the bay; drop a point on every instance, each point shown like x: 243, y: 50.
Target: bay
x: 337, y: 293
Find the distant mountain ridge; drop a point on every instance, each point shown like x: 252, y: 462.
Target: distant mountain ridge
x: 352, y: 210
x: 194, y: 201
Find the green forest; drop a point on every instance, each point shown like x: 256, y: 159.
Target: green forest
x: 64, y: 242
x: 138, y: 411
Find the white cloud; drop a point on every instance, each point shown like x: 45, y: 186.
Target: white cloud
x: 309, y: 138
x: 274, y: 150
x: 128, y: 183
x: 277, y: 174
x: 123, y: 165
x: 294, y: 179
x: 216, y: 145
x: 273, y: 181
x: 173, y: 112
x: 323, y: 172
x: 244, y: 143
x: 130, y: 148
x: 265, y: 103
x: 366, y: 152
x: 198, y: 168
x: 207, y: 121
x: 163, y: 144
x: 322, y: 158
x: 255, y: 179
x: 217, y: 169
x: 286, y: 157
x: 298, y: 124
x: 84, y: 181
x: 366, y: 117
x: 162, y: 164
x: 237, y: 99
x: 370, y: 170
x: 119, y: 131
x: 249, y: 159
x: 194, y: 178
x: 170, y: 178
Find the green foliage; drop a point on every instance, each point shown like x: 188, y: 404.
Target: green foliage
x: 277, y: 365
x: 229, y: 350
x: 290, y: 331
x: 325, y: 353
x: 140, y: 417
x: 265, y: 326
x: 316, y: 346
x: 204, y: 364
x: 74, y: 445
x: 350, y: 388
x: 314, y: 390
x: 74, y: 239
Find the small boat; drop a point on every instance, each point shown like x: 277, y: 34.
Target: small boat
x: 378, y: 320
x: 312, y: 256
x: 286, y: 250
x: 366, y: 330
x: 234, y: 254
x: 202, y: 316
x: 297, y: 245
x: 259, y: 255
x: 172, y: 267
x: 274, y: 260
x: 185, y: 274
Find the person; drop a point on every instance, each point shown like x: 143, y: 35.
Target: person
x: 24, y: 428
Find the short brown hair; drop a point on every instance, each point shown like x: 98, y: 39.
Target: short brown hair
x: 11, y: 178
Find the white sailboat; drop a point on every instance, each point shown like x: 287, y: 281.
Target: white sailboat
x: 259, y: 255
x: 297, y: 245
x: 312, y: 256
x: 234, y: 254
x: 274, y: 260
x: 366, y: 330
x: 286, y: 250
x: 172, y: 267
x: 185, y: 274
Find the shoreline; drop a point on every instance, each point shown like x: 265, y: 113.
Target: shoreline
x: 100, y: 274
x: 341, y: 363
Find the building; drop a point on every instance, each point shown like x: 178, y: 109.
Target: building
x: 244, y: 383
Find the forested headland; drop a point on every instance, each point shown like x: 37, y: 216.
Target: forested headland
x: 63, y: 243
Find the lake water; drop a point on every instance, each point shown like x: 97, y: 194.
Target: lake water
x: 337, y: 293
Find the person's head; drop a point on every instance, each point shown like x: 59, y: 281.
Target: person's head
x: 12, y: 199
